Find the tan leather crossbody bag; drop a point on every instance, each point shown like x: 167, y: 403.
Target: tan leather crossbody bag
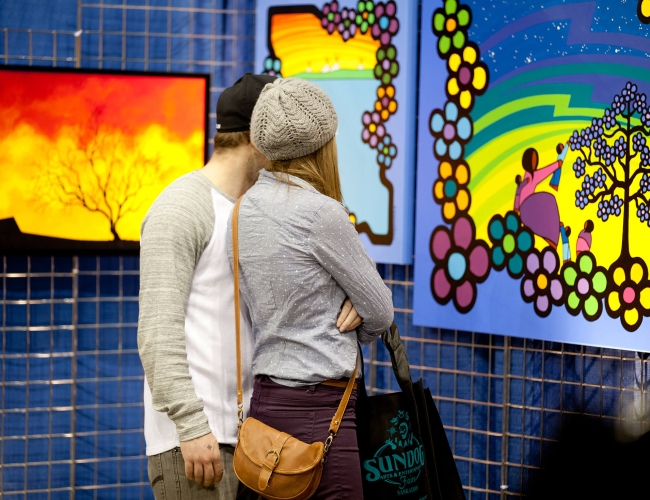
x: 269, y: 462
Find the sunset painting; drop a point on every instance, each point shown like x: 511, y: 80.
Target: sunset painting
x: 83, y: 155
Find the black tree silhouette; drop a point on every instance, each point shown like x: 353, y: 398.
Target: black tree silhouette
x: 103, y: 170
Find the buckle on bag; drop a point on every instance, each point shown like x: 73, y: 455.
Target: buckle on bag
x: 277, y: 456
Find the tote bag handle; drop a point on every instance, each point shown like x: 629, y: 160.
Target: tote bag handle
x: 398, y: 358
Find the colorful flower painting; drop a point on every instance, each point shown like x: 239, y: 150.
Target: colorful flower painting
x: 362, y: 54
x: 548, y: 109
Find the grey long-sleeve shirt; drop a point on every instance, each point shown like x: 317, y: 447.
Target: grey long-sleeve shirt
x: 299, y: 258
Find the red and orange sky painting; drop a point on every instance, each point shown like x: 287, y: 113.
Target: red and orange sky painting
x: 49, y: 129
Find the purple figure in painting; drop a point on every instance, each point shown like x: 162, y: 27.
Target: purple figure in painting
x: 583, y: 244
x: 539, y: 211
x: 555, y: 180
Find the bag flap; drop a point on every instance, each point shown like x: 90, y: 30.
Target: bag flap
x: 256, y: 440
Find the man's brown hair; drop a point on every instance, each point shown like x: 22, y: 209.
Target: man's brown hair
x: 230, y: 140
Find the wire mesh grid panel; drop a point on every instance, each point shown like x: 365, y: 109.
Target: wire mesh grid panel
x: 72, y: 412
x: 72, y: 380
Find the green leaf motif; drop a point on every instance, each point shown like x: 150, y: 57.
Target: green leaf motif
x: 573, y: 302
x: 463, y: 17
x: 438, y: 21
x: 444, y: 44
x: 592, y: 306
x: 586, y: 263
x: 450, y: 7
x: 459, y: 40
x: 570, y: 276
x: 599, y: 282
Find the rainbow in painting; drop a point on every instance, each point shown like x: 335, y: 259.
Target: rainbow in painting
x: 84, y: 154
x: 534, y: 170
x: 363, y: 55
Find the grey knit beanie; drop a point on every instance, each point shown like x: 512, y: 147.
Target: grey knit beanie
x: 292, y: 118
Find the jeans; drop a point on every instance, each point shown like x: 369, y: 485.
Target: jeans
x: 168, y: 480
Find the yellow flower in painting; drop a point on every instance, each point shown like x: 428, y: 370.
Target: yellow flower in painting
x: 643, y: 10
x: 629, y: 295
x: 468, y: 77
x: 450, y: 189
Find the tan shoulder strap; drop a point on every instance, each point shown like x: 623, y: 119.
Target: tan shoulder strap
x: 235, y: 266
x: 338, y: 417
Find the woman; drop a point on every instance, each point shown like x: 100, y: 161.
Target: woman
x: 299, y: 258
x: 539, y: 211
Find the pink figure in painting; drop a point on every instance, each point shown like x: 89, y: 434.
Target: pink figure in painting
x: 583, y: 244
x: 539, y: 211
x: 520, y: 185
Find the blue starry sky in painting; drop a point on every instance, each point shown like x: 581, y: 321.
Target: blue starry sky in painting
x: 533, y: 31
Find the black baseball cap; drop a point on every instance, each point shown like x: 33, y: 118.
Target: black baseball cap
x: 236, y: 103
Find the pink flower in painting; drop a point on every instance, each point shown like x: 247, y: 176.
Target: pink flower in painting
x: 461, y: 262
x: 387, y: 24
x: 373, y: 128
x: 331, y: 16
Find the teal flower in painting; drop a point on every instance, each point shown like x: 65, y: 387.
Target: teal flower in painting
x: 451, y: 130
x: 511, y: 243
x: 273, y: 66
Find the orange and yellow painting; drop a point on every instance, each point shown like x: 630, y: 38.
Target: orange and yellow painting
x: 84, y: 154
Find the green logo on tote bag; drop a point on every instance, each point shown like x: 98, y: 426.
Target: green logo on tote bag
x: 400, y: 460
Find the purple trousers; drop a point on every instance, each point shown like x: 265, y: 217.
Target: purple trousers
x: 305, y: 413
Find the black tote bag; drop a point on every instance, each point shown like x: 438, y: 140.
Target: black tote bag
x: 403, y: 447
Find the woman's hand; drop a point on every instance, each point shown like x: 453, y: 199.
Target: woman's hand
x: 349, y: 319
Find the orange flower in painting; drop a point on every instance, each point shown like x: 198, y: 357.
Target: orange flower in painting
x: 386, y: 104
x: 450, y: 189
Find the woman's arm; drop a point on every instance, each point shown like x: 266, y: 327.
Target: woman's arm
x: 336, y: 246
x: 542, y: 173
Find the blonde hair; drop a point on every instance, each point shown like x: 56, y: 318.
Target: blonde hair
x: 320, y: 169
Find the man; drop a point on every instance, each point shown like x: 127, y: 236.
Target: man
x: 186, y: 330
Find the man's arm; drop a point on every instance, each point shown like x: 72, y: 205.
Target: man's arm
x: 173, y: 237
